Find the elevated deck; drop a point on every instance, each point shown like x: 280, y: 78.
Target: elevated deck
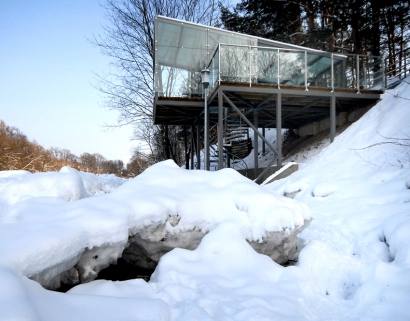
x: 253, y: 83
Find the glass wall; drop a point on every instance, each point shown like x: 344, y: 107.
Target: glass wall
x: 297, y: 68
x: 182, y: 50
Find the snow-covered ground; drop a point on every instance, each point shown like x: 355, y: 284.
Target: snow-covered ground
x: 355, y: 264
x: 49, y: 220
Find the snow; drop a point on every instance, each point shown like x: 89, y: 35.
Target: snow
x: 357, y: 245
x: 50, y: 221
x: 67, y: 184
x: 354, y: 264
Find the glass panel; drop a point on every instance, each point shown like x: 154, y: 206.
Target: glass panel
x: 319, y: 70
x: 345, y: 71
x: 214, y: 71
x: 235, y: 63
x: 182, y: 50
x: 292, y: 65
x: 267, y: 66
x: 371, y: 73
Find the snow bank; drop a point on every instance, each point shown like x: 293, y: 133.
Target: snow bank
x: 44, y: 237
x: 67, y: 184
x: 205, y: 199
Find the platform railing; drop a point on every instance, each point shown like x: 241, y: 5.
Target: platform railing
x: 255, y: 65
x: 397, y: 67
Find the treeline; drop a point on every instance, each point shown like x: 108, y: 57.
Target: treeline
x: 18, y: 152
x: 356, y: 26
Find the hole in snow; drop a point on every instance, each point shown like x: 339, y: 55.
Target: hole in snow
x: 124, y: 270
x: 120, y: 271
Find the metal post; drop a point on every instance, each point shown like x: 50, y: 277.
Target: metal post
x: 263, y: 142
x: 306, y: 75
x: 279, y: 128
x: 220, y: 129
x: 219, y: 63
x: 198, y: 148
x: 186, y: 149
x: 192, y: 147
x: 332, y: 117
x: 332, y: 73
x: 206, y: 131
x: 278, y: 69
x: 250, y: 66
x: 358, y: 73
x: 255, y: 142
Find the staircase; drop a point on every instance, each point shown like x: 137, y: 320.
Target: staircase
x: 237, y: 144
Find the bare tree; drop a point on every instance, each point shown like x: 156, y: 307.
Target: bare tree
x: 129, y: 41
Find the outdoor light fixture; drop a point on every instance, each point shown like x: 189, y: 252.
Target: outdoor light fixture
x: 205, y: 84
x: 205, y: 77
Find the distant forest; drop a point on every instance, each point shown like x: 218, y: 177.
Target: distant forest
x: 18, y: 152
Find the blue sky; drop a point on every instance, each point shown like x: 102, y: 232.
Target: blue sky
x: 47, y: 76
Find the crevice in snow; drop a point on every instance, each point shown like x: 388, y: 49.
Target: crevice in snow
x: 390, y: 255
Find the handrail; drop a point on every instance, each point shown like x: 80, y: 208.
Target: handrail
x: 323, y: 53
x: 358, y: 71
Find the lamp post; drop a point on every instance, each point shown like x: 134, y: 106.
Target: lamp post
x: 205, y: 84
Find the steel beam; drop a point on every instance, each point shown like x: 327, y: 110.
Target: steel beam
x: 220, y: 129
x: 332, y: 118
x: 279, y: 128
x: 299, y: 92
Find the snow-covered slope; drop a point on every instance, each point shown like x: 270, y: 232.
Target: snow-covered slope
x: 357, y: 256
x: 355, y: 264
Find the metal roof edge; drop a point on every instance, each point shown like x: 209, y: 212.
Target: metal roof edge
x: 285, y: 44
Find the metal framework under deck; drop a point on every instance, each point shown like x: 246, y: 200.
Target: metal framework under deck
x: 258, y: 107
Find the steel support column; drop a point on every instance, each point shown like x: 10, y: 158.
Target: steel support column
x: 220, y: 129
x: 186, y: 149
x: 206, y: 131
x: 255, y: 141
x: 263, y: 142
x: 332, y: 117
x: 279, y: 128
x: 198, y: 147
x: 192, y: 146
